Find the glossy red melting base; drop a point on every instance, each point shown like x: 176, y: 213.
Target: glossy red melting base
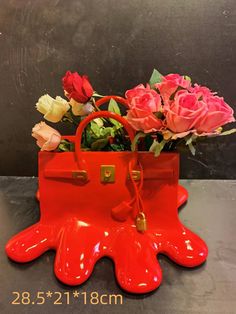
x: 76, y: 222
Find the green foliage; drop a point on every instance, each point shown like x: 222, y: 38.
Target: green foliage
x: 113, y: 107
x: 228, y: 132
x: 97, y: 134
x: 95, y: 128
x: 97, y: 131
x: 156, y: 77
x: 95, y: 94
x: 136, y: 139
x: 192, y: 149
x: 157, y: 147
x: 190, y: 140
x: 99, y: 144
x: 117, y: 147
x: 187, y: 78
x: 108, y: 131
x: 66, y: 146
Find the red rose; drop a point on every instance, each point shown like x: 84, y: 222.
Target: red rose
x: 77, y: 87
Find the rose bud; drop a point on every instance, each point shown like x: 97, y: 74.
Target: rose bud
x: 47, y: 138
x: 80, y: 109
x: 77, y: 87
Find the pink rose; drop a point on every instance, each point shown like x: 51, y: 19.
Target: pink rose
x: 218, y: 113
x: 202, y: 91
x: 185, y: 112
x: 170, y: 83
x: 143, y: 103
x: 47, y: 137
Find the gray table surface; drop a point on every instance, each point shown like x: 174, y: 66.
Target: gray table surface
x: 210, y: 288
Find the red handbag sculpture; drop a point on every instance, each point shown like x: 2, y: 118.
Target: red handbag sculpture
x: 123, y: 205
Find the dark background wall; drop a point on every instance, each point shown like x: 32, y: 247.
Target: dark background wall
x: 117, y: 43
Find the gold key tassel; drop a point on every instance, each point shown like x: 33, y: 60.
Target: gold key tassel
x: 141, y: 222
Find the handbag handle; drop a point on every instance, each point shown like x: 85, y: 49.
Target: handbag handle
x: 82, y: 164
x: 95, y: 115
x: 118, y: 99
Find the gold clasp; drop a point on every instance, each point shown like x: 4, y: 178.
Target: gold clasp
x: 107, y: 173
x: 135, y: 175
x: 80, y: 174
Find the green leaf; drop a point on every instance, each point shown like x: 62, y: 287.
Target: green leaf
x: 113, y: 107
x: 157, y: 147
x: 65, y: 146
x: 95, y: 128
x: 156, y: 77
x: 190, y: 139
x: 109, y: 131
x: 187, y: 78
x: 192, y: 149
x: 117, y: 147
x: 95, y: 94
x: 99, y: 144
x: 189, y: 142
x: 228, y: 132
x: 88, y: 136
x: 136, y: 139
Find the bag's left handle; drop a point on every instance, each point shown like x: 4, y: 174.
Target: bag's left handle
x: 85, y: 122
x: 100, y: 114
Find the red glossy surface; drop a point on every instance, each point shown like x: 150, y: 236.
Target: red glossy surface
x: 76, y: 218
x: 181, y: 199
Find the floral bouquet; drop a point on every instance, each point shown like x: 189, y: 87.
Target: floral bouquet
x: 168, y: 113
x: 122, y: 204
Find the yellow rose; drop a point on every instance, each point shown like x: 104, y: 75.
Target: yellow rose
x: 52, y: 109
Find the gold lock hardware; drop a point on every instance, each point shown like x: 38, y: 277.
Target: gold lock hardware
x: 107, y: 173
x: 141, y: 222
x: 80, y: 174
x: 135, y: 175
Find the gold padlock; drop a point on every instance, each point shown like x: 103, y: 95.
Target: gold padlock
x: 141, y: 222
